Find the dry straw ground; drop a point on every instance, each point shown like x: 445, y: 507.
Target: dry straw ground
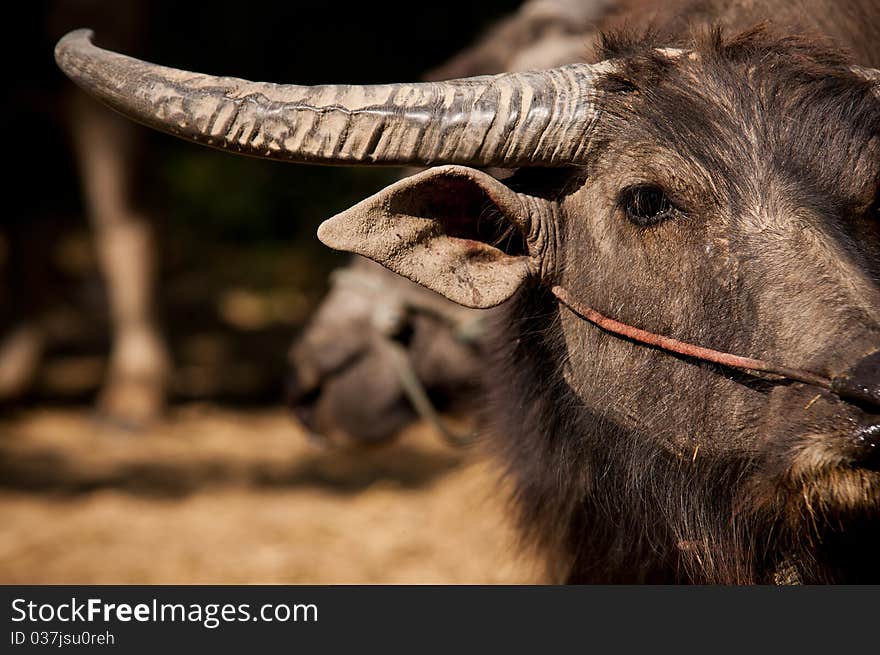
x: 220, y: 496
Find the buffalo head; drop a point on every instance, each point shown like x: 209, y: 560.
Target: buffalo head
x: 724, y: 194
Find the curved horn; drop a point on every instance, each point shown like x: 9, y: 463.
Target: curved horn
x: 541, y: 118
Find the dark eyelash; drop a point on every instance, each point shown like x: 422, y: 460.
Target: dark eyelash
x: 646, y: 204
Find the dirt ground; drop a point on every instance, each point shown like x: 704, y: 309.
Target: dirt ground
x: 230, y: 496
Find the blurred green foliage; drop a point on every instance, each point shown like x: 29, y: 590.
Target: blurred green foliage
x: 249, y: 201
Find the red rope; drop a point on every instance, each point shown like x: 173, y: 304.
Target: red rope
x: 684, y: 348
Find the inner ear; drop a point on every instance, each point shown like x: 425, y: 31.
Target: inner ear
x: 465, y: 211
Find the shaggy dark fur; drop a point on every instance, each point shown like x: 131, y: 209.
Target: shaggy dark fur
x: 613, y: 503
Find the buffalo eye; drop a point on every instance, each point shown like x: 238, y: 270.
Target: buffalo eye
x: 646, y: 204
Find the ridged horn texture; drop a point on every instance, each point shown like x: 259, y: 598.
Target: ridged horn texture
x: 542, y: 118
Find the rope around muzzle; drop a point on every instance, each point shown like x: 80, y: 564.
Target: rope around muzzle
x: 688, y: 349
x: 418, y: 397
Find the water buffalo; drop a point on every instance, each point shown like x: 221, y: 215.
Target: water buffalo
x: 709, y: 184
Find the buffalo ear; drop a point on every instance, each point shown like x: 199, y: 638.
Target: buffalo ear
x: 440, y: 228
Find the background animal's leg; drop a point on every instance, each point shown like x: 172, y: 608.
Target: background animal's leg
x: 135, y: 385
x: 22, y: 343
x: 20, y: 354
